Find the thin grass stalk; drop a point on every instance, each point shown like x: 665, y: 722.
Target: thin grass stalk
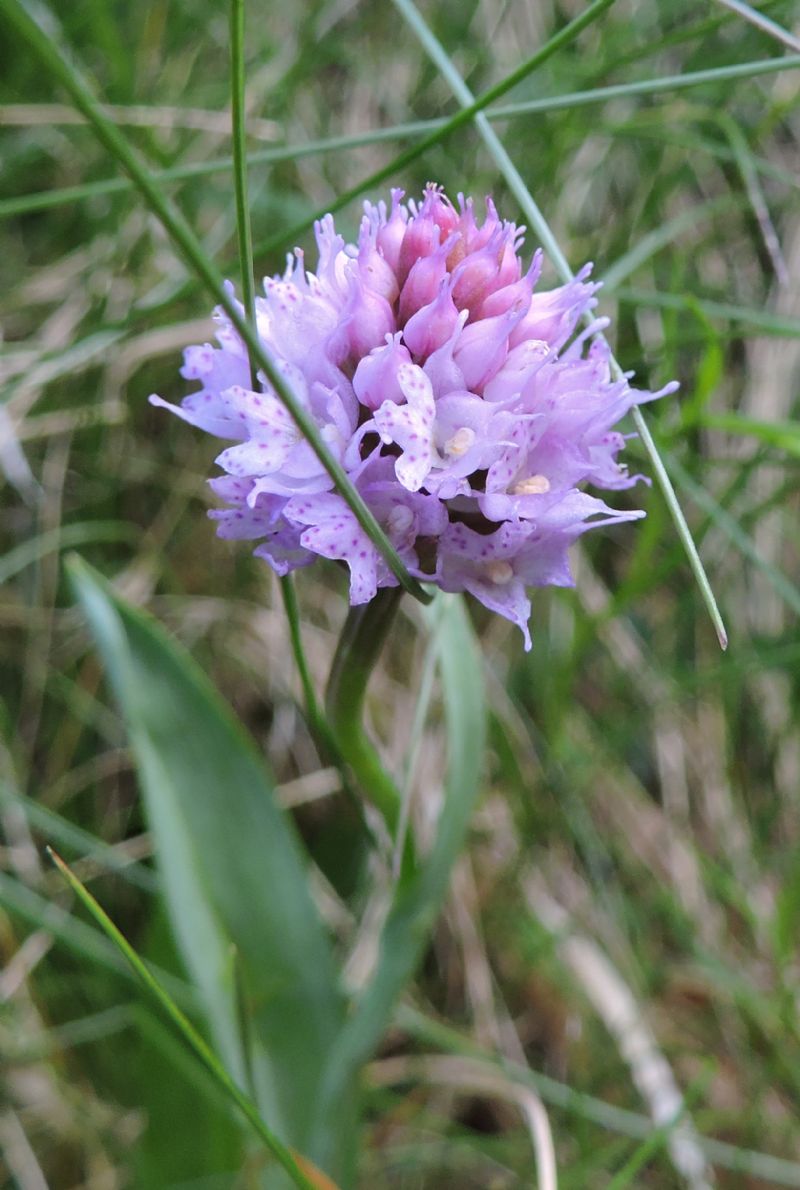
x: 556, y: 43
x: 43, y: 200
x: 244, y: 235
x: 202, y: 1051
x: 762, y: 22
x: 536, y: 220
x: 173, y: 221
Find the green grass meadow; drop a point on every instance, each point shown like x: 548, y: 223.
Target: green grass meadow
x: 610, y: 995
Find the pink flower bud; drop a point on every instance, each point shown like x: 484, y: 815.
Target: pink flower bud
x: 375, y: 379
x: 370, y: 319
x: 424, y: 280
x: 376, y: 272
x: 433, y: 325
x: 504, y: 298
x: 421, y: 239
x: 389, y: 237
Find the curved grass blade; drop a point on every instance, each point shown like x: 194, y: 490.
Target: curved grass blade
x: 45, y: 45
x: 432, y: 1033
x: 234, y: 878
x: 67, y: 537
x: 767, y: 323
x: 279, y: 1150
x: 66, y: 834
x: 539, y: 225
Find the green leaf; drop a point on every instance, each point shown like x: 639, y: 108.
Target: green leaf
x: 234, y: 877
x: 419, y: 898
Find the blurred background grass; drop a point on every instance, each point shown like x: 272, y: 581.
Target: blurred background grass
x: 626, y: 921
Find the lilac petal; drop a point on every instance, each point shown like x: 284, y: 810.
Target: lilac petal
x: 368, y: 319
x: 341, y: 538
x: 424, y: 281
x: 519, y: 366
x: 553, y: 316
x: 484, y: 566
x: 241, y: 524
x: 391, y: 232
x: 283, y: 552
x: 410, y: 426
x: 432, y: 326
x: 376, y: 272
x: 194, y: 412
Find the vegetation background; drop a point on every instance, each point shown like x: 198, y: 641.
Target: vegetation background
x: 626, y: 921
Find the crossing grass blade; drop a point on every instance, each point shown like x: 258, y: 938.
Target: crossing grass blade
x: 39, y: 33
x: 539, y: 225
x: 280, y: 1151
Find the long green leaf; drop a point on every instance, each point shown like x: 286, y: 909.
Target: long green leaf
x: 234, y: 877
x: 419, y: 899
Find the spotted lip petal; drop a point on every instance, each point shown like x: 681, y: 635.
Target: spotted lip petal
x: 459, y: 398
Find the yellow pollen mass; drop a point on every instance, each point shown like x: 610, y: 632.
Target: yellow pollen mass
x: 500, y: 572
x: 534, y: 485
x: 460, y: 443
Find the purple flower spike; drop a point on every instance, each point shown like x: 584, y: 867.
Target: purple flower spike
x: 463, y: 403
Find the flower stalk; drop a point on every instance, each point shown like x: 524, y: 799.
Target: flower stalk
x: 360, y: 643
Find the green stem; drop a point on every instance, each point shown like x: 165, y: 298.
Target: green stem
x: 359, y: 647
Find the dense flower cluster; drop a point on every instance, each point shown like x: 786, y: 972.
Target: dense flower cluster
x: 459, y: 400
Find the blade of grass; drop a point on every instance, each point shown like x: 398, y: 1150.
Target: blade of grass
x: 764, y: 23
x: 38, y: 35
x: 607, y: 1116
x: 81, y: 938
x: 66, y: 537
x: 66, y: 834
x: 556, y: 43
x: 665, y: 235
x: 245, y: 238
x: 763, y: 320
x: 202, y: 779
x: 193, y: 1039
x: 239, y: 130
x: 539, y: 225
x: 758, y: 202
x: 651, y: 1146
x: 43, y: 200
x: 785, y: 435
x: 736, y: 535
